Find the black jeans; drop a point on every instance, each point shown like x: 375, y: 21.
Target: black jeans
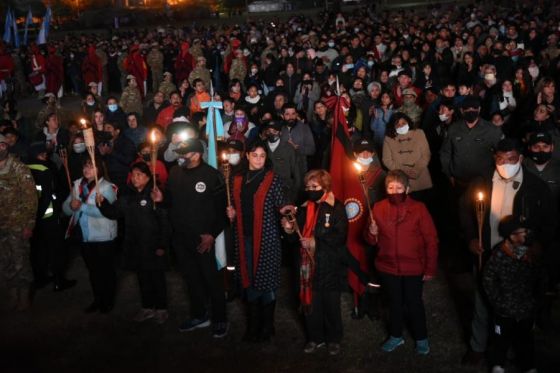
x: 517, y: 334
x: 324, y: 323
x: 153, y: 289
x: 99, y: 262
x: 204, y: 281
x: 405, y: 300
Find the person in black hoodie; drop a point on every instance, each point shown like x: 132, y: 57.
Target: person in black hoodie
x: 146, y: 240
x: 196, y: 197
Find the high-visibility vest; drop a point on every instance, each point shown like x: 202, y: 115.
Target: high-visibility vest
x: 50, y: 210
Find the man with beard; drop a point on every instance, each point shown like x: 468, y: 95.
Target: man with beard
x: 19, y: 202
x: 165, y: 117
x: 298, y: 135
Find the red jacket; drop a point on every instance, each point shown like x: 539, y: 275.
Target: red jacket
x: 407, y: 240
x: 6, y: 65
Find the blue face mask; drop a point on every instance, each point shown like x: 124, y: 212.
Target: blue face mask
x: 112, y: 107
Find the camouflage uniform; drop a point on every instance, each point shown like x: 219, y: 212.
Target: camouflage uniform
x: 238, y: 70
x: 200, y: 73
x: 45, y: 111
x: 155, y: 61
x: 167, y: 88
x: 413, y: 111
x: 18, y: 198
x: 196, y: 51
x: 122, y: 68
x: 104, y: 61
x: 131, y: 100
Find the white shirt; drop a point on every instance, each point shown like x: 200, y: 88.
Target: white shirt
x: 501, y: 202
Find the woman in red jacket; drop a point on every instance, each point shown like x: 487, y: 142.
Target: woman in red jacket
x: 407, y: 241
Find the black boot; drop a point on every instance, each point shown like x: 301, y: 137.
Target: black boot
x: 252, y: 332
x: 267, y: 330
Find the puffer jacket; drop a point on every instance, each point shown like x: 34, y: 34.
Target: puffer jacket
x: 95, y: 227
x: 407, y: 239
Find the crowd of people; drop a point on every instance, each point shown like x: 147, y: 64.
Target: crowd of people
x: 440, y: 106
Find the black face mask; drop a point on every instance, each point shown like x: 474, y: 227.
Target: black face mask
x: 272, y: 138
x: 470, y: 116
x: 540, y: 158
x: 308, y: 82
x: 315, y: 195
x: 147, y: 157
x: 396, y: 198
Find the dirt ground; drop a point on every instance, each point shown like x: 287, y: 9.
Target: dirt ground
x: 56, y: 335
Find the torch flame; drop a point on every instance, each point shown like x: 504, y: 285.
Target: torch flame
x: 83, y: 122
x: 358, y: 167
x: 480, y: 196
x: 153, y: 136
x: 224, y: 157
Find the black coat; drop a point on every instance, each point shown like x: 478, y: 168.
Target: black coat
x: 146, y: 229
x: 532, y: 201
x: 331, y: 254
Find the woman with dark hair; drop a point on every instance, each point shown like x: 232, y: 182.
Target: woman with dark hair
x: 52, y: 134
x: 321, y: 261
x: 406, y: 148
x: 381, y: 116
x: 135, y: 131
x: 94, y: 232
x: 257, y: 197
x: 407, y: 242
x: 146, y: 240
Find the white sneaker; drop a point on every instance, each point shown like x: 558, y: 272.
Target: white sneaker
x: 144, y: 314
x: 498, y: 369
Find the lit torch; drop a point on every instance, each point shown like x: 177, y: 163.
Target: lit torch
x: 480, y: 214
x: 89, y: 140
x: 362, y: 178
x: 226, y: 167
x: 154, y: 148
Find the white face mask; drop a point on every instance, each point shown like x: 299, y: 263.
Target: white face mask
x: 507, y: 171
x: 403, y: 130
x: 234, y: 159
x: 443, y: 117
x: 365, y: 161
x: 79, y: 147
x: 331, y: 45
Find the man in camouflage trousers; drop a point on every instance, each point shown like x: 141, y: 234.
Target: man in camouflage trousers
x: 18, y: 199
x: 155, y: 62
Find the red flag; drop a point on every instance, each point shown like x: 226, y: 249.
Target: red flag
x: 347, y: 188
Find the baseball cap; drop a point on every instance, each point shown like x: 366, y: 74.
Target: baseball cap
x: 235, y: 144
x: 362, y: 145
x: 537, y: 137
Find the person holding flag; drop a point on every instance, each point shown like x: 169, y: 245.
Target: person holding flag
x: 346, y: 186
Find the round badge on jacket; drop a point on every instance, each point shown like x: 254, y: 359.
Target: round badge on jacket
x: 143, y: 203
x: 200, y: 187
